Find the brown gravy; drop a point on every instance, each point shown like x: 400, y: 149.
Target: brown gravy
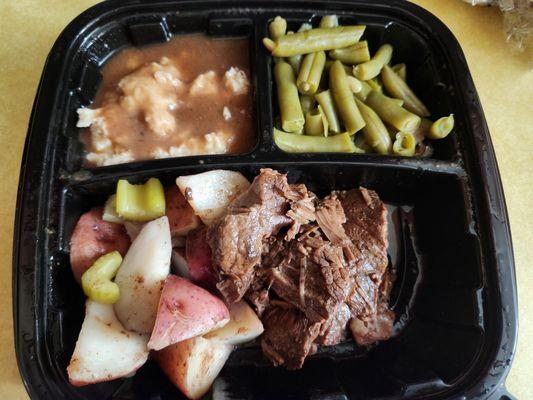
x: 194, y: 116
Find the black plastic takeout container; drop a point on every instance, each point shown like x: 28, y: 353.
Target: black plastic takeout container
x: 455, y: 296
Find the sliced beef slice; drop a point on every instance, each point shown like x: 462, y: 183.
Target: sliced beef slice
x: 310, y: 274
x: 237, y: 238
x: 366, y: 227
x: 288, y: 336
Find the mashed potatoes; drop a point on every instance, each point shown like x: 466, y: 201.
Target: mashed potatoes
x: 161, y: 109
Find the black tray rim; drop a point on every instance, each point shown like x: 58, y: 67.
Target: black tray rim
x: 492, y: 386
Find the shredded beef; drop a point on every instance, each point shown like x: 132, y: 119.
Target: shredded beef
x: 310, y: 268
x: 288, y: 336
x: 236, y: 239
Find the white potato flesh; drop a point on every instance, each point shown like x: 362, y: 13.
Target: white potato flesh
x: 185, y: 311
x: 244, y: 326
x: 209, y: 193
x: 193, y: 365
x: 141, y: 276
x: 105, y: 350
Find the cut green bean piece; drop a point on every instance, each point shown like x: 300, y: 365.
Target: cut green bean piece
x: 277, y: 28
x: 96, y: 281
x: 354, y: 54
x: 292, y: 117
x: 328, y: 21
x: 316, y: 124
x: 375, y: 132
x: 372, y: 68
x: 401, y: 71
x: 355, y: 84
x: 319, y: 39
x: 310, y: 72
x: 325, y: 101
x: 441, y: 127
x: 375, y: 84
x: 296, y: 60
x: 329, y: 63
x: 397, y: 87
x: 344, y: 99
x: 291, y: 143
x: 404, y: 145
x: 365, y: 90
x: 361, y: 143
x: 307, y: 103
x: 393, y: 114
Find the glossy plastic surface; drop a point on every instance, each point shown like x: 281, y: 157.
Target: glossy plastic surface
x: 455, y: 295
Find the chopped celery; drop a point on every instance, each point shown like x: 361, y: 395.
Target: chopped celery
x: 96, y: 281
x: 140, y: 202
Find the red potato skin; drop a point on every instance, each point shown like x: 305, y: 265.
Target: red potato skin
x: 181, y: 216
x: 184, y: 311
x: 173, y: 361
x: 94, y: 237
x: 198, y: 256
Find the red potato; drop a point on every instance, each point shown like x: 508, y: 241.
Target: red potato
x: 105, y: 350
x: 210, y: 193
x: 181, y: 216
x: 94, y: 237
x: 193, y: 365
x: 198, y: 256
x: 185, y: 310
x: 244, y: 326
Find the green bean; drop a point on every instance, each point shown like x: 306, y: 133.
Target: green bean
x: 307, y: 103
x: 329, y: 63
x: 311, y: 72
x: 291, y: 143
x: 375, y: 84
x: 404, y: 145
x: 344, y: 99
x: 325, y: 101
x: 365, y: 90
x: 441, y: 127
x: 375, y: 132
x: 397, y: 87
x: 390, y: 112
x: 316, y: 123
x: 296, y: 60
x: 277, y: 28
x: 371, y: 69
x: 292, y: 118
x: 319, y: 39
x: 401, y: 71
x: 361, y: 143
x: 354, y: 54
x: 328, y: 21
x: 355, y: 84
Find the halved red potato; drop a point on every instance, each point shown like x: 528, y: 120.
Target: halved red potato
x: 94, y: 237
x: 198, y: 256
x: 193, y: 365
x: 181, y: 216
x: 105, y: 350
x: 243, y: 326
x: 185, y: 310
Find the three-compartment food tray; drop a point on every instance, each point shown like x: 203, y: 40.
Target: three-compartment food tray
x: 455, y: 294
